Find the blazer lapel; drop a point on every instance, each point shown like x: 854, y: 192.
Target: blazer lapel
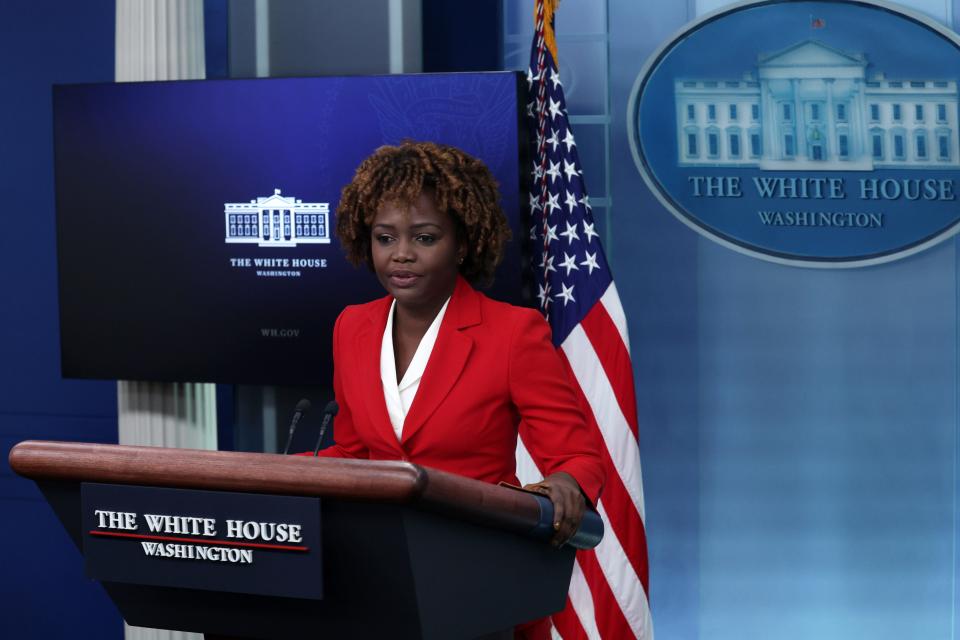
x: 369, y: 341
x: 447, y: 360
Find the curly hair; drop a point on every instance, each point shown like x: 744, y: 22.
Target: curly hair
x: 461, y: 185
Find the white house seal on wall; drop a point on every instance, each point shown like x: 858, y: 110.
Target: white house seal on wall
x: 791, y: 132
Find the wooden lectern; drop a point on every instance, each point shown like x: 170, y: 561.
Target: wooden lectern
x: 407, y: 551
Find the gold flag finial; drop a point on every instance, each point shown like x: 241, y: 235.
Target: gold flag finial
x: 549, y: 37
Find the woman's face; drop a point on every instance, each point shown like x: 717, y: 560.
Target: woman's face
x: 416, y: 252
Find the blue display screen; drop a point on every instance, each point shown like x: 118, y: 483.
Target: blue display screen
x: 195, y: 219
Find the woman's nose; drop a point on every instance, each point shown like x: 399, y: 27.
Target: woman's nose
x: 403, y: 251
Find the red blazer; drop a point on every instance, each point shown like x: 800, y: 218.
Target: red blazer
x: 492, y: 366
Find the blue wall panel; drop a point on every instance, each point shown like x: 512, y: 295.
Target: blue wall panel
x: 43, y: 593
x: 827, y: 440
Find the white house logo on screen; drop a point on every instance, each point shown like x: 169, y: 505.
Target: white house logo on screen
x: 813, y: 107
x: 277, y: 221
x: 822, y: 133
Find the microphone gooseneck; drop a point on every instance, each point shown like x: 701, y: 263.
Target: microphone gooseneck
x: 329, y: 412
x: 302, y: 407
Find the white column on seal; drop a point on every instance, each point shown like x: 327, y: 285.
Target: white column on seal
x: 866, y: 143
x: 831, y: 148
x: 800, y: 133
x: 772, y: 144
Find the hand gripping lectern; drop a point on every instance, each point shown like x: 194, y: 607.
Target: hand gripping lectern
x: 254, y: 545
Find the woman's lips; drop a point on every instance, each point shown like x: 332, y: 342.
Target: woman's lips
x: 403, y: 279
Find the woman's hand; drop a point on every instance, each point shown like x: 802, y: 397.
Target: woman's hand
x: 568, y: 504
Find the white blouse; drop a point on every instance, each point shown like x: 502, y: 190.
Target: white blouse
x: 400, y: 396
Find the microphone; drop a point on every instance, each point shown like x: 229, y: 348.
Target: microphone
x: 328, y: 412
x: 302, y: 407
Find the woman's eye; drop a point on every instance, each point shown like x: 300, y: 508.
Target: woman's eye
x: 383, y: 239
x: 426, y: 239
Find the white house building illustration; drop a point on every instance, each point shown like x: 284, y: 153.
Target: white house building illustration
x: 811, y: 107
x: 277, y: 221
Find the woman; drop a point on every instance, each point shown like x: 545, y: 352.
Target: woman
x: 437, y: 373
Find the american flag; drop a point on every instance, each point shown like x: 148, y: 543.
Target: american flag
x: 608, y: 592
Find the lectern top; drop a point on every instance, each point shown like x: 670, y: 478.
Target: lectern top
x: 358, y: 480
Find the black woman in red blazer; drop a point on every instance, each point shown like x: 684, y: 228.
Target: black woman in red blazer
x: 426, y: 219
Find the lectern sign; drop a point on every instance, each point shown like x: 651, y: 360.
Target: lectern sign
x: 244, y: 543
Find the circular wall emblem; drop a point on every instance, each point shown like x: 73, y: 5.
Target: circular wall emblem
x: 820, y: 134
